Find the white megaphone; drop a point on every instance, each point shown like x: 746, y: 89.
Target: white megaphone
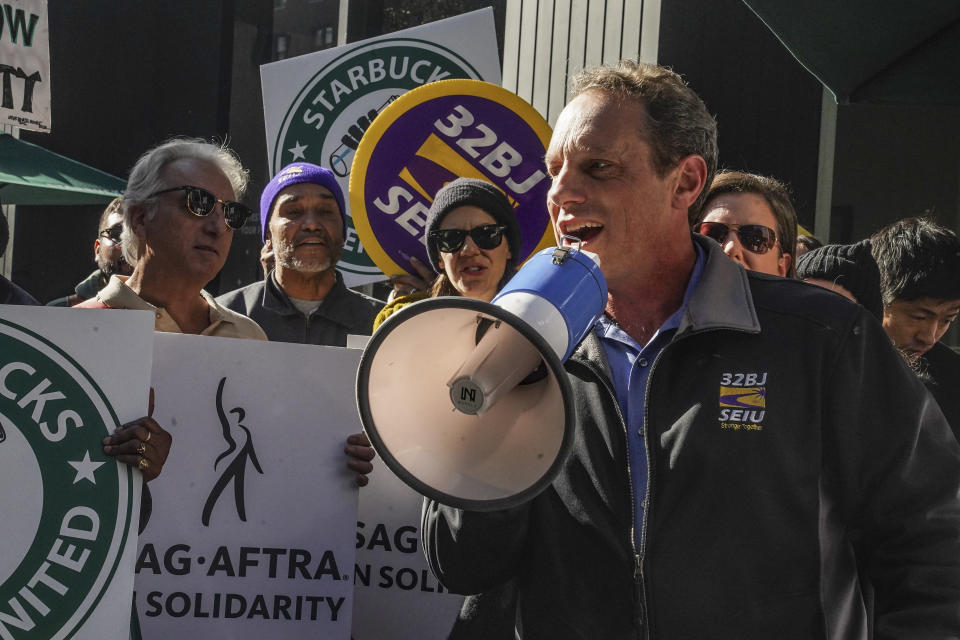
x: 467, y: 401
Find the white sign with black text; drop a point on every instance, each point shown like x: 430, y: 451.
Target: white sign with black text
x: 25, y: 64
x: 252, y: 532
x: 397, y: 596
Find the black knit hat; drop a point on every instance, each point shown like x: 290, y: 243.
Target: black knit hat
x: 849, y: 265
x: 471, y: 192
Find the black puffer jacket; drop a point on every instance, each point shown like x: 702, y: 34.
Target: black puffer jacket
x: 783, y: 430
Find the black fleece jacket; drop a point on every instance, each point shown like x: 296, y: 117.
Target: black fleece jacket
x: 782, y: 431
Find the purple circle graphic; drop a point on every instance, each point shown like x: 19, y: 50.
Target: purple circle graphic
x: 439, y: 140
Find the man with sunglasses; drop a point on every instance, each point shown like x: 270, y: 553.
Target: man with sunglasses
x: 179, y: 214
x: 742, y: 441
x: 304, y: 299
x: 108, y: 255
x: 752, y: 218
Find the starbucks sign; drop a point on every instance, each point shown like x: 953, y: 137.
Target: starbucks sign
x: 318, y: 106
x: 72, y: 504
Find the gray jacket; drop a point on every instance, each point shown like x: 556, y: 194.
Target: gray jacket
x: 342, y: 313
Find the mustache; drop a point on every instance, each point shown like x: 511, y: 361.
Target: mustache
x: 306, y: 235
x: 116, y: 267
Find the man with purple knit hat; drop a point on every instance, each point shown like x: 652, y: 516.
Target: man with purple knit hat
x: 303, y: 299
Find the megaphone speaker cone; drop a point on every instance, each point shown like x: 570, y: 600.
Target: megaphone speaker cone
x: 455, y: 419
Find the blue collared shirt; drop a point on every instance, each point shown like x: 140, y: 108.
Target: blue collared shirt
x: 630, y: 365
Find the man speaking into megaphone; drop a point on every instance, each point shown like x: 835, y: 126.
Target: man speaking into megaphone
x: 737, y: 436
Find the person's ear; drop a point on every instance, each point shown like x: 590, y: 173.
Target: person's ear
x: 783, y: 265
x: 690, y: 180
x: 96, y: 249
x: 138, y: 220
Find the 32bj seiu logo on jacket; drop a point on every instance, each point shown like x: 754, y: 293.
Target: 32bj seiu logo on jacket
x: 743, y: 400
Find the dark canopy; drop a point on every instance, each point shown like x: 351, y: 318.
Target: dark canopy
x: 30, y: 174
x: 873, y: 51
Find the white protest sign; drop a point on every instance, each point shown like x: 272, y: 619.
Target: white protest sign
x: 396, y: 596
x: 317, y: 106
x: 253, y: 531
x: 68, y: 378
x: 25, y: 64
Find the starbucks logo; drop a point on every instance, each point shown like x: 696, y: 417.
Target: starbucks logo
x: 65, y: 505
x: 329, y: 116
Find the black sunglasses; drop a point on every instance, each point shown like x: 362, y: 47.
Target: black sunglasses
x: 112, y: 233
x: 201, y: 202
x: 486, y: 236
x: 755, y: 238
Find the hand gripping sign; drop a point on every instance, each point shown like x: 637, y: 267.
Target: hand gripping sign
x: 432, y: 135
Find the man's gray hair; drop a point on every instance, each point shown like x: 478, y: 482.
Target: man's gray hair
x: 676, y: 124
x: 145, y: 179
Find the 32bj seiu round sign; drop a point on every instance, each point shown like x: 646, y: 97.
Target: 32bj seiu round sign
x: 431, y: 136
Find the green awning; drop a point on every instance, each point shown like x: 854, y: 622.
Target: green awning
x: 873, y: 51
x: 29, y: 174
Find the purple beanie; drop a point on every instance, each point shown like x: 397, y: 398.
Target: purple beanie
x: 295, y: 174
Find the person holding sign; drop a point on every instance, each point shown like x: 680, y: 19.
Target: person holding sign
x: 471, y: 237
x: 179, y: 213
x: 177, y: 238
x: 742, y: 443
x: 304, y: 299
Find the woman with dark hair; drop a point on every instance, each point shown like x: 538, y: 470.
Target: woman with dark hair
x: 473, y: 241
